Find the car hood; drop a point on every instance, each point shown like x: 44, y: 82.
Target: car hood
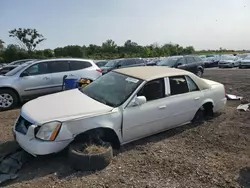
x: 62, y: 106
x: 228, y: 61
x: 246, y: 61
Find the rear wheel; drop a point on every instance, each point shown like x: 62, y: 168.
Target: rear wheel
x: 8, y: 99
x: 199, y: 73
x: 199, y: 116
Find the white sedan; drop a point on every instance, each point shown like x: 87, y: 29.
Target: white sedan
x: 122, y: 106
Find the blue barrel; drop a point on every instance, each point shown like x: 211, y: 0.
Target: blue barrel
x: 70, y: 83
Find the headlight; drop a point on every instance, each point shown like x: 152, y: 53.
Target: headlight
x: 49, y: 131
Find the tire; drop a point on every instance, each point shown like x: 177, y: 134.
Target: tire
x: 199, y: 73
x: 199, y: 116
x: 89, y: 162
x: 8, y: 99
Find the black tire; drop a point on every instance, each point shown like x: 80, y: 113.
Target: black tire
x: 199, y: 73
x: 199, y: 116
x: 89, y: 162
x: 14, y: 99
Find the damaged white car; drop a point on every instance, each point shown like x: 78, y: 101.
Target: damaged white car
x: 121, y: 106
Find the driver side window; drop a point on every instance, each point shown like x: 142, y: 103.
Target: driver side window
x: 37, y: 69
x: 153, y: 90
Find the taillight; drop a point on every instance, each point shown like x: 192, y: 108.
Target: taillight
x: 99, y: 70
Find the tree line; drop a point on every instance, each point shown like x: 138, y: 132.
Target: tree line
x: 28, y: 40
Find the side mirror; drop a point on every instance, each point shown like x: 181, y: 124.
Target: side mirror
x: 139, y: 100
x: 23, y: 74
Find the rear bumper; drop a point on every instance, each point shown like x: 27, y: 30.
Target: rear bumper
x: 220, y: 105
x: 226, y: 65
x: 245, y: 66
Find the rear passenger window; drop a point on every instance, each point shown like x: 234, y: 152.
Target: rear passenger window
x: 129, y: 62
x: 191, y: 84
x: 77, y: 65
x: 197, y: 59
x: 178, y: 85
x: 190, y: 60
x: 139, y: 61
x: 58, y: 66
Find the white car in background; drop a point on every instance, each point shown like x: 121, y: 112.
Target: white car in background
x: 121, y: 106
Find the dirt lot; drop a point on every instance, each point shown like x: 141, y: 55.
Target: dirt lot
x: 215, y: 154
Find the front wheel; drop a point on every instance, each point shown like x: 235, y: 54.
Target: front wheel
x: 8, y: 99
x: 90, y: 157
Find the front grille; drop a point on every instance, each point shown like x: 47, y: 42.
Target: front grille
x: 22, y: 125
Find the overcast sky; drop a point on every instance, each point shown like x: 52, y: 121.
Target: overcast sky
x: 204, y: 24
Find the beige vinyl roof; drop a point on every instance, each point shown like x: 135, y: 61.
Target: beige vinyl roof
x: 148, y: 73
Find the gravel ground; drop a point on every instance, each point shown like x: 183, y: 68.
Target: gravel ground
x: 215, y: 154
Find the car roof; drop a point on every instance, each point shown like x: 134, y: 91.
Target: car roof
x: 64, y: 59
x: 149, y: 73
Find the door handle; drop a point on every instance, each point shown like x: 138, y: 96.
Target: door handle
x: 162, y: 107
x: 197, y: 98
x: 45, y: 78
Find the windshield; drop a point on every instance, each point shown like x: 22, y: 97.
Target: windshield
x: 112, y: 63
x: 169, y: 61
x: 112, y: 89
x: 242, y: 55
x: 20, y: 62
x: 228, y: 57
x: 17, y: 69
x: 210, y: 55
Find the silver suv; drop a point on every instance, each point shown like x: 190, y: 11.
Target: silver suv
x: 41, y: 77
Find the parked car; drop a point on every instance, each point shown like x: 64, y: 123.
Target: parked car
x: 229, y: 61
x: 162, y: 98
x: 203, y: 57
x: 42, y: 77
x: 101, y: 63
x: 190, y: 63
x: 153, y: 61
x: 2, y: 64
x: 242, y: 56
x: 209, y: 62
x: 121, y: 63
x: 20, y: 62
x: 7, y: 68
x: 245, y: 63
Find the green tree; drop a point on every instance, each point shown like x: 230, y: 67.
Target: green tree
x: 1, y: 45
x: 28, y: 38
x: 48, y: 53
x: 14, y: 52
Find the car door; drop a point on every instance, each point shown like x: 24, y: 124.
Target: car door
x: 58, y: 70
x: 35, y: 80
x: 180, y: 63
x: 191, y: 64
x: 149, y: 118
x: 186, y: 98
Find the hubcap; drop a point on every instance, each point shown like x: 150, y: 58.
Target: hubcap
x: 6, y: 100
x: 199, y: 73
